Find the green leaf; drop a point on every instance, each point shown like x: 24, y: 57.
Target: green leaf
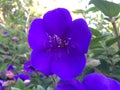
x: 95, y: 32
x: 39, y: 87
x: 78, y: 11
x: 14, y: 88
x: 20, y: 84
x: 104, y: 66
x: 117, y: 17
x: 3, y: 67
x: 110, y: 9
x: 112, y: 41
x: 93, y: 9
x: 49, y: 88
x: 97, y: 39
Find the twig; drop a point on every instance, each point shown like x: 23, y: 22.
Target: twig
x: 115, y: 30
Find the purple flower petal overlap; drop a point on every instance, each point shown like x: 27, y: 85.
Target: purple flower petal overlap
x: 70, y: 65
x: 93, y: 81
x: 59, y: 44
x: 80, y: 36
x: 41, y: 61
x: 69, y: 85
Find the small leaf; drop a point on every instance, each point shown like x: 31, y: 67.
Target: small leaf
x: 20, y: 84
x: 49, y: 88
x: 78, y: 11
x: 97, y: 39
x: 95, y: 32
x: 117, y: 17
x: 3, y: 67
x: 104, y: 66
x: 14, y: 88
x: 112, y: 41
x: 110, y: 9
x: 39, y: 87
x: 93, y: 9
x: 106, y: 18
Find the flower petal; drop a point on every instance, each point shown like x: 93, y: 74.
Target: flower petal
x: 68, y: 66
x: 113, y: 84
x: 28, y: 67
x: 96, y: 81
x: 80, y: 35
x: 57, y: 21
x: 41, y: 61
x: 37, y: 37
x: 69, y: 85
x: 22, y: 76
x: 10, y: 67
x: 1, y: 87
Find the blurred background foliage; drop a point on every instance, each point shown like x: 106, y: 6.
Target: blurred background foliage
x: 104, y: 53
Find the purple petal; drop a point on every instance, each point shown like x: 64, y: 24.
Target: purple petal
x: 1, y: 88
x: 57, y: 21
x: 37, y: 37
x: 10, y: 67
x: 68, y: 66
x: 28, y: 67
x: 69, y: 85
x: 113, y: 84
x: 22, y: 77
x: 80, y: 36
x: 5, y: 32
x: 41, y: 61
x: 96, y: 81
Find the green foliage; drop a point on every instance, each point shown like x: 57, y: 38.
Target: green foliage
x: 20, y: 84
x: 104, y: 42
x: 112, y: 41
x: 110, y: 9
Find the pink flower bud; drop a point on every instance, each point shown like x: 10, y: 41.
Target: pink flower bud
x: 9, y: 74
x: 15, y: 39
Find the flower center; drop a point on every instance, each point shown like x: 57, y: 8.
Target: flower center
x: 57, y: 42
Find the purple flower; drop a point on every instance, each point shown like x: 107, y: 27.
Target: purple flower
x: 69, y: 85
x: 28, y: 67
x: 96, y: 81
x: 10, y: 68
x: 5, y: 32
x: 59, y: 44
x: 93, y: 81
x: 1, y: 45
x: 1, y: 87
x: 22, y: 77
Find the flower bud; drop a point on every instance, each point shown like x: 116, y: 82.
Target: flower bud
x: 26, y: 81
x: 93, y: 62
x: 15, y: 39
x: 9, y: 74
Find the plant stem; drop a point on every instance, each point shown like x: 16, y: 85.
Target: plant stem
x: 54, y: 80
x: 115, y: 30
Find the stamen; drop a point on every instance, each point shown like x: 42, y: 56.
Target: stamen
x: 56, y: 41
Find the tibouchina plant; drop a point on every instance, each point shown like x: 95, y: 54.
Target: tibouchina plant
x: 59, y: 45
